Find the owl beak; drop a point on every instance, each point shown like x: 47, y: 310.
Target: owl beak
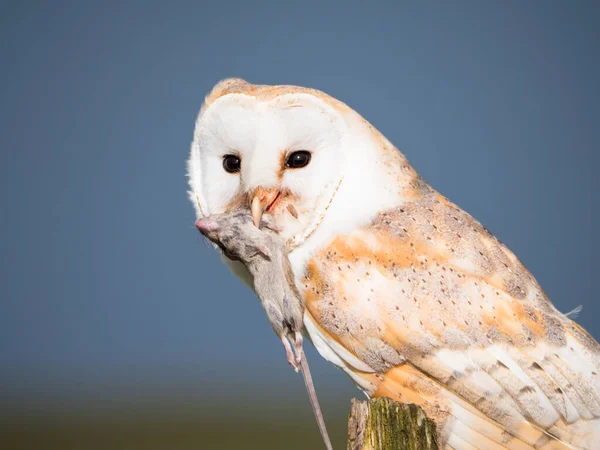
x: 262, y: 200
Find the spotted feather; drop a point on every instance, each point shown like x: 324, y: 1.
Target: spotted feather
x: 444, y: 315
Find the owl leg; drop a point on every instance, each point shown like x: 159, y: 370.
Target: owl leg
x: 289, y: 353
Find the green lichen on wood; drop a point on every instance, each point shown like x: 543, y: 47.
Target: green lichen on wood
x: 383, y: 424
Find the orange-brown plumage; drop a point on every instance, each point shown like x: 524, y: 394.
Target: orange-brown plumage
x: 406, y: 292
x: 428, y: 278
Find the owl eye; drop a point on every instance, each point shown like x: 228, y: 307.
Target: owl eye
x: 231, y: 163
x: 298, y: 159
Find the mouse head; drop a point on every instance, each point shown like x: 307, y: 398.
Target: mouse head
x: 237, y: 236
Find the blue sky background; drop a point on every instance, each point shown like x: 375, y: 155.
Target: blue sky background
x: 106, y: 287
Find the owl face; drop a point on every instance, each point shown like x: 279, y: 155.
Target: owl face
x: 317, y: 166
x: 282, y: 155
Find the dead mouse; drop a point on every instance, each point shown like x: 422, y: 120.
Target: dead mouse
x: 263, y: 252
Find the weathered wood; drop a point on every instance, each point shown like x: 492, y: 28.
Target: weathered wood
x: 383, y: 424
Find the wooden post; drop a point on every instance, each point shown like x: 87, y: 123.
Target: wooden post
x: 383, y: 424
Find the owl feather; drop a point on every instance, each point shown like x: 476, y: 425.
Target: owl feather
x: 446, y: 317
x: 405, y: 292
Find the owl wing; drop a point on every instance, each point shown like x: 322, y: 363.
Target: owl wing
x: 426, y: 306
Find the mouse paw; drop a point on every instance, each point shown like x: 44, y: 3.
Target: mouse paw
x: 290, y: 354
x: 298, y: 350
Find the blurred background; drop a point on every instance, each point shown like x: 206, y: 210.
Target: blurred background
x: 119, y: 327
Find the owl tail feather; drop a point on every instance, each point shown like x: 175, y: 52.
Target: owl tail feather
x: 460, y: 424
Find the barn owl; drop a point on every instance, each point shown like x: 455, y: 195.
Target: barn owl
x: 405, y: 292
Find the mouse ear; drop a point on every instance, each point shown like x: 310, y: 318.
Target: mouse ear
x: 206, y: 225
x: 269, y: 223
x: 263, y: 249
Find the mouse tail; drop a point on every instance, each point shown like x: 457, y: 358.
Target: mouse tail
x: 314, y: 401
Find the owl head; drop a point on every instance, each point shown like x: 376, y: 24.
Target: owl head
x: 297, y: 153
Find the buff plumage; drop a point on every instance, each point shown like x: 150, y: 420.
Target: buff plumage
x: 407, y: 293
